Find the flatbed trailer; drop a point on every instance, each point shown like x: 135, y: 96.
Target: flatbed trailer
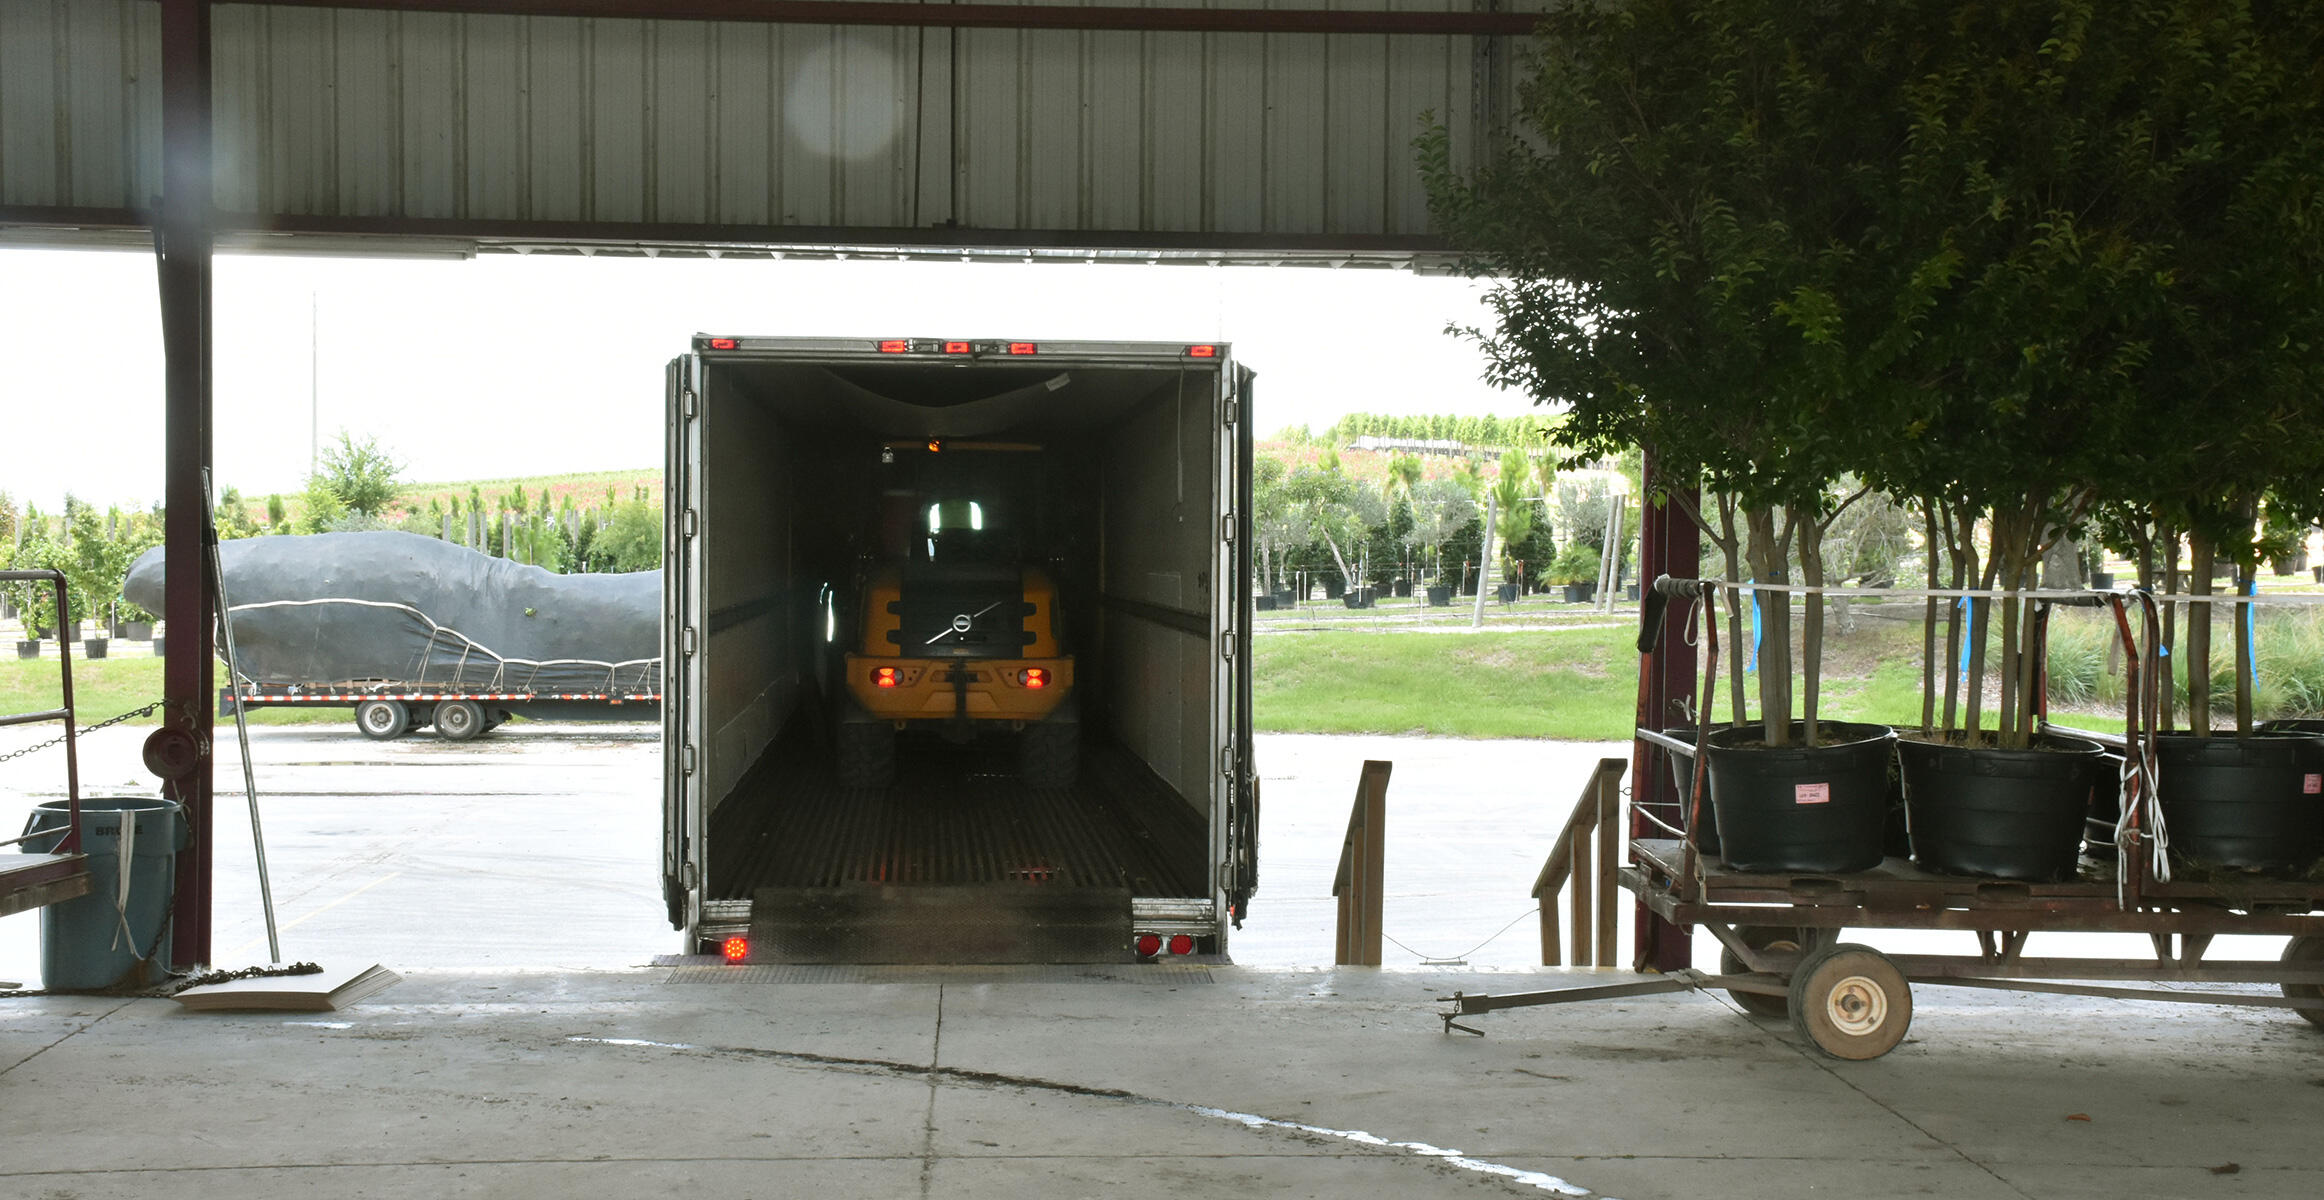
x: 385, y: 711
x: 1781, y: 932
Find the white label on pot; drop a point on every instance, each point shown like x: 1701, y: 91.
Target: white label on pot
x: 1811, y: 793
x: 2313, y: 785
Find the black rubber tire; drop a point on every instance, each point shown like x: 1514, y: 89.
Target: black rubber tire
x: 1851, y: 1002
x: 866, y: 753
x: 382, y: 720
x: 1049, y: 754
x: 458, y: 720
x: 2306, y: 952
x: 1761, y: 937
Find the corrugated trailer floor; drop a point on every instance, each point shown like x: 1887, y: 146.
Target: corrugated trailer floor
x: 955, y: 816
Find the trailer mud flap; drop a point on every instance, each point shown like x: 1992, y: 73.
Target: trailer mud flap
x: 924, y: 923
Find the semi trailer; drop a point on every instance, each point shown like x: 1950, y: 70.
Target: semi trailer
x: 957, y: 650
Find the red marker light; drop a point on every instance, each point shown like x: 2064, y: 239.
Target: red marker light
x: 1023, y: 348
x: 1149, y: 945
x: 895, y: 346
x: 1202, y: 352
x: 723, y: 343
x: 884, y: 677
x: 958, y: 348
x: 1034, y: 677
x: 735, y: 949
x: 1181, y: 944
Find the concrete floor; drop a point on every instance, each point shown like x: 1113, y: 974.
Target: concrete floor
x: 534, y: 1050
x: 1277, y: 1082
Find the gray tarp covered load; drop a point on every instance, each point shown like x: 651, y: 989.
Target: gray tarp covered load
x: 399, y: 607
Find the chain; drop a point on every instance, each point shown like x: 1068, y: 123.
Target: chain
x: 59, y: 740
x: 172, y: 985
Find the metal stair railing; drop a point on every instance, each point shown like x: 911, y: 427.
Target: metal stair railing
x: 47, y: 879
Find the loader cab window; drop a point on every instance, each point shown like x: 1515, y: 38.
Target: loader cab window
x: 965, y: 531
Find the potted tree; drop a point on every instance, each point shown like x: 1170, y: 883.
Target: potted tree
x: 1575, y: 569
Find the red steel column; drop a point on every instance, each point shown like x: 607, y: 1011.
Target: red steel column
x: 182, y: 238
x: 1668, y: 544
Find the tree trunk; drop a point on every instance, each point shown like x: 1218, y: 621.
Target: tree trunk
x: 2166, y: 686
x: 1730, y: 545
x: 1929, y: 623
x: 2199, y: 636
x: 2245, y: 668
x: 1811, y: 569
x: 1766, y: 553
x: 1980, y: 622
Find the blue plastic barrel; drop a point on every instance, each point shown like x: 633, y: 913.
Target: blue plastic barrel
x: 96, y: 941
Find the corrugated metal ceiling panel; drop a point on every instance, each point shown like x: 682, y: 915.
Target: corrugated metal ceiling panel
x: 325, y: 114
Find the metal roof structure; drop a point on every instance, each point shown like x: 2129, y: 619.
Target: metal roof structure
x: 1233, y: 132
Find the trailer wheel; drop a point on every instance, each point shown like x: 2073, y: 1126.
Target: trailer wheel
x: 1760, y: 937
x: 867, y: 754
x: 1049, y: 753
x: 458, y: 720
x: 2306, y: 952
x: 1851, y: 1002
x: 382, y: 720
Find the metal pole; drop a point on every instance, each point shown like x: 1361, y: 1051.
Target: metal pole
x: 1485, y: 567
x: 241, y: 727
x: 182, y: 244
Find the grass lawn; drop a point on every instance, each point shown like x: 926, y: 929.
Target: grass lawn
x: 1578, y: 684
x: 107, y: 687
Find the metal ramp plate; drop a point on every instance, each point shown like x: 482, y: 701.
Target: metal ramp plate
x: 707, y: 969
x: 932, y: 923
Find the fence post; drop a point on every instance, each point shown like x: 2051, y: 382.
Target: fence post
x: 1609, y: 801
x: 1362, y: 869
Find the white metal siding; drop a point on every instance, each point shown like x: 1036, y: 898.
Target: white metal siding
x: 360, y: 114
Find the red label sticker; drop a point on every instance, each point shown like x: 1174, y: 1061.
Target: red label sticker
x: 1811, y: 793
x: 2313, y: 785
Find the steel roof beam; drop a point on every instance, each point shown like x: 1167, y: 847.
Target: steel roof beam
x: 1120, y: 18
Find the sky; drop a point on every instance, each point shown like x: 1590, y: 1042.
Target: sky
x: 507, y: 365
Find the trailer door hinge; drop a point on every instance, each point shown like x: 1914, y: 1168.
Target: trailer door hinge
x: 686, y: 523
x: 686, y: 874
x: 1226, y: 648
x: 686, y: 641
x: 686, y: 403
x: 686, y: 758
x: 1226, y: 528
x: 1232, y: 408
x: 1226, y: 761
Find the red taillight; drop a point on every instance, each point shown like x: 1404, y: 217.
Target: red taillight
x: 1023, y: 348
x: 723, y: 343
x: 895, y: 346
x: 884, y: 677
x: 1149, y: 945
x: 1181, y: 944
x: 735, y: 949
x: 1202, y: 352
x: 1034, y: 677
x: 958, y: 348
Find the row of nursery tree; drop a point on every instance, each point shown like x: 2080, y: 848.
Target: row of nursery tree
x: 355, y: 487
x: 2025, y: 270
x: 1421, y: 519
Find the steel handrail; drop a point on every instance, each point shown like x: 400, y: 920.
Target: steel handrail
x: 72, y: 839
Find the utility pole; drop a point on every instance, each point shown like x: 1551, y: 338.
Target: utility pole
x: 1485, y: 567
x: 314, y: 374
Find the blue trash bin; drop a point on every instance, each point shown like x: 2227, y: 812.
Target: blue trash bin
x: 97, y: 941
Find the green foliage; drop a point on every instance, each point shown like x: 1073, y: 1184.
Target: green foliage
x: 359, y: 474
x: 1513, y: 511
x: 277, y: 513
x: 1579, y: 562
x: 633, y: 542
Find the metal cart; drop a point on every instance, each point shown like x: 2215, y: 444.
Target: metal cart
x: 1781, y: 932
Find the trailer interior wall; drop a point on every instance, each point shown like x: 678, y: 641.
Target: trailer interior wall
x: 789, y: 453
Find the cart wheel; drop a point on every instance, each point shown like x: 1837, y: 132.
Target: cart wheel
x: 1851, y: 1002
x: 459, y: 720
x: 1760, y: 937
x: 382, y: 720
x: 2306, y: 952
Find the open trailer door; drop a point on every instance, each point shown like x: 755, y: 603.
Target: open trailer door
x: 1241, y: 867
x: 681, y: 666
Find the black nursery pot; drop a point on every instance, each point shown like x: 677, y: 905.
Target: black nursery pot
x: 2013, y: 814
x: 1797, y: 808
x: 2250, y: 802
